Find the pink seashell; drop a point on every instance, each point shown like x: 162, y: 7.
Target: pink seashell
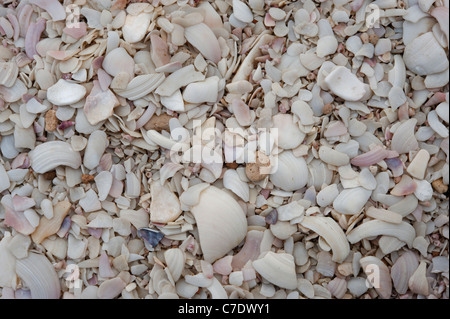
x: 159, y: 50
x: 442, y: 17
x: 53, y: 7
x: 335, y: 129
x: 241, y: 112
x: 104, y: 79
x: 96, y: 232
x: 65, y: 227
x: 104, y: 267
x: 437, y: 98
x: 18, y: 221
x: 24, y: 17
x: 105, y: 162
x: 371, y: 157
x: 97, y: 63
x: 395, y: 165
x: 21, y: 161
x: 265, y: 193
x: 22, y: 203
x: 406, y: 186
x: 223, y: 265
x: 65, y: 124
x: 250, y: 250
x: 33, y: 35
x: 76, y: 32
x: 269, y: 21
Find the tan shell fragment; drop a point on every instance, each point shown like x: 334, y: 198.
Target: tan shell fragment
x: 48, y: 227
x: 165, y: 206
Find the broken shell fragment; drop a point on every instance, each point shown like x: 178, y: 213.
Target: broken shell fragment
x: 345, y: 84
x: 277, y: 268
x: 47, y: 156
x: 65, y: 93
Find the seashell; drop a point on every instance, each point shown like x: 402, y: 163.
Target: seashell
x: 333, y: 157
x: 277, y: 268
x: 291, y: 173
x: 4, y: 179
x: 406, y: 206
x: 289, y: 134
x: 327, y: 195
x: 436, y: 125
x: 403, y: 231
x: 53, y: 8
x: 117, y: 61
x: 327, y: 228
x: 159, y: 51
x: 219, y: 232
x: 420, y: 51
x: 419, y: 164
x: 440, y: 264
x: 65, y: 93
x: 404, y: 140
x: 345, y: 84
x: 242, y: 12
x: 232, y: 181
x: 418, y: 282
x: 198, y: 280
x: 13, y: 93
x: 34, y: 107
x: 378, y: 275
x: 319, y: 174
x: 8, y: 73
x: 135, y: 27
x: 178, y: 79
x: 141, y: 85
x: 103, y: 180
x: 175, y: 259
x: 132, y: 186
x: 185, y: 290
x: 96, y: 146
x: 290, y: 211
x: 174, y: 102
x: 47, y: 156
x: 357, y: 286
x: 90, y: 202
x: 111, y: 288
x: 101, y: 220
x: 99, y: 104
x: 424, y: 190
x: 204, y: 40
x: 406, y: 186
x: 437, y: 80
x: 384, y: 215
x: 165, y: 206
x: 305, y: 287
x: 202, y: 92
x: 283, y: 230
x: 242, y: 112
x: 337, y: 287
x: 442, y: 16
x: 325, y: 265
x: 351, y: 201
x: 47, y: 208
x: 48, y: 227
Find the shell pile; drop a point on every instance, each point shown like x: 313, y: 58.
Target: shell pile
x: 224, y: 149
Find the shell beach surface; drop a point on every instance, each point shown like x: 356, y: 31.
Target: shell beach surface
x: 207, y: 149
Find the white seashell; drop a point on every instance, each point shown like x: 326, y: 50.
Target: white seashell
x: 345, y: 84
x: 337, y: 287
x: 175, y: 259
x: 99, y: 104
x: 242, y: 112
x: 32, y: 217
x: 4, y: 179
x: 96, y: 146
x: 305, y: 287
x: 111, y: 288
x: 402, y: 270
x: 424, y: 190
x: 383, y: 46
x: 440, y: 264
x: 198, y: 280
x: 325, y: 265
x: 404, y: 140
x: 100, y: 220
x: 47, y: 208
x: 90, y: 202
x: 289, y: 134
x: 278, y: 269
x: 202, y: 92
x: 13, y: 93
x: 165, y: 206
x: 436, y: 125
x: 65, y: 93
x: 178, y: 79
x: 384, y: 215
x: 406, y: 206
x: 319, y: 174
x: 421, y: 51
x: 24, y: 138
x: 403, y: 231
x: 418, y: 165
x: 437, y: 80
x: 8, y: 73
x: 283, y: 230
x: 421, y: 245
x: 117, y: 61
x: 135, y: 27
x: 442, y: 111
x: 34, y: 107
x: 291, y: 173
x: 185, y: 290
x: 300, y: 254
x: 232, y: 182
x: 204, y: 40
x: 132, y: 186
x: 357, y: 286
x: 174, y: 102
x: 303, y: 112
x: 327, y: 195
x: 47, y: 156
x: 326, y: 45
x: 222, y: 229
x: 418, y: 282
x: 378, y: 275
x: 103, y: 180
x: 351, y: 201
x: 242, y: 12
x: 333, y: 157
x: 327, y: 228
x: 141, y: 85
x: 290, y: 211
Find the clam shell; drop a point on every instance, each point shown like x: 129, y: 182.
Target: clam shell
x: 65, y: 93
x: 277, y: 268
x: 291, y: 173
x: 204, y: 40
x: 289, y: 134
x: 117, y: 61
x: 175, y: 259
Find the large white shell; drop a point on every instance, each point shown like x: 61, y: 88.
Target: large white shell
x: 403, y: 231
x: 220, y: 228
x: 47, y: 156
x: 65, y: 93
x: 277, y: 268
x: 291, y: 173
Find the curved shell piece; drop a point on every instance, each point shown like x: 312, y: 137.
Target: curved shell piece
x: 220, y: 228
x: 292, y: 172
x: 140, y: 86
x: 402, y: 270
x: 331, y: 232
x: 65, y: 93
x: 403, y: 231
x: 404, y: 139
x: 175, y: 259
x: 47, y: 156
x: 345, y: 84
x: 351, y: 201
x: 204, y: 40
x: 277, y: 268
x: 289, y: 134
x: 232, y: 182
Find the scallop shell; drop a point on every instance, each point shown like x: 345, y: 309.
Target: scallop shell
x: 175, y: 259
